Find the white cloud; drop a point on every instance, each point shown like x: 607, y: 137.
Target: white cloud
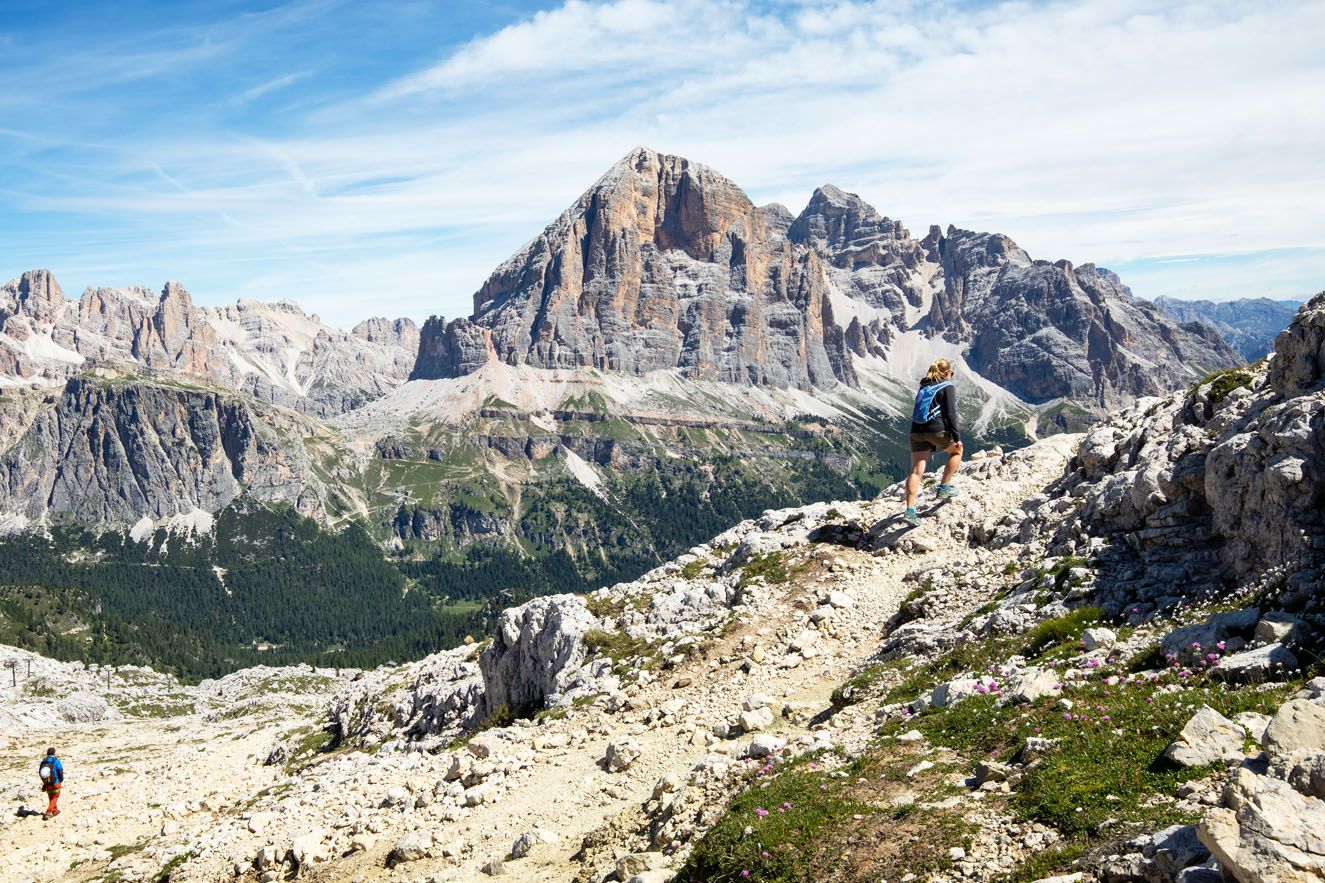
x: 582, y: 36
x: 267, y: 87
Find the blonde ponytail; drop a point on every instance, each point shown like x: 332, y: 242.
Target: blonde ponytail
x: 938, y: 370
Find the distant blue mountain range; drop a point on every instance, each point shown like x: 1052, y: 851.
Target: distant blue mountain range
x: 1249, y: 325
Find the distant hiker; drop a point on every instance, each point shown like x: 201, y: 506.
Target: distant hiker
x: 933, y: 428
x: 51, y: 772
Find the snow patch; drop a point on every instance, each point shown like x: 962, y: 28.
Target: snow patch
x: 40, y: 347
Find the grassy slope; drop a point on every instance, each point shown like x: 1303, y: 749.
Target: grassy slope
x: 1104, y: 782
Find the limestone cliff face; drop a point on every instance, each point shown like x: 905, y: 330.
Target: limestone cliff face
x: 452, y: 350
x: 662, y: 264
x: 164, y: 332
x: 116, y: 453
x: 1051, y: 330
x: 38, y: 295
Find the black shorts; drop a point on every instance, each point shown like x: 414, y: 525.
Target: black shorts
x: 929, y: 442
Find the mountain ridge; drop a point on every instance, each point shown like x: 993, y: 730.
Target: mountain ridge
x: 1249, y: 325
x: 857, y: 281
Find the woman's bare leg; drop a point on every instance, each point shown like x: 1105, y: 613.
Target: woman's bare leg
x: 954, y: 460
x: 919, y: 460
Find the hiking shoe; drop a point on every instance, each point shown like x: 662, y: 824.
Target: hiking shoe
x: 911, y: 518
x: 946, y: 492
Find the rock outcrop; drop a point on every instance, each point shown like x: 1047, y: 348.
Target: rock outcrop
x: 444, y: 692
x: 452, y: 350
x: 1201, y: 488
x: 536, y: 652
x: 1266, y: 831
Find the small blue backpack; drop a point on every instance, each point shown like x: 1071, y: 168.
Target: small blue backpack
x: 924, y: 409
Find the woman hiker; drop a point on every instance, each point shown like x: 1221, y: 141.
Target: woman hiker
x: 933, y: 428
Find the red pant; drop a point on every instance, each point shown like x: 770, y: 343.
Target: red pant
x: 54, y: 792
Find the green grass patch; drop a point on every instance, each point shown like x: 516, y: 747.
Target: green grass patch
x: 855, y: 687
x: 793, y: 839
x: 770, y: 567
x: 1109, y: 763
x: 1061, y: 630
x: 308, y: 746
x: 806, y: 824
x: 969, y: 656
x: 1149, y: 658
x: 503, y: 715
x: 170, y: 867
x: 694, y: 569
x: 616, y: 645
x: 982, y: 610
x: 605, y: 607
x: 1224, y: 382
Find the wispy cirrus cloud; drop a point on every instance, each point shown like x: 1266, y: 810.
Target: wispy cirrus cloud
x: 267, y: 87
x: 354, y: 150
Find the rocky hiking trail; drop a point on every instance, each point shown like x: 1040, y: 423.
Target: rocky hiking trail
x: 143, y: 793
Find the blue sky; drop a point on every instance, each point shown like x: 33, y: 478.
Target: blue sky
x: 381, y: 159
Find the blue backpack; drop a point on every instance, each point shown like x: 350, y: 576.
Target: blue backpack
x: 924, y: 409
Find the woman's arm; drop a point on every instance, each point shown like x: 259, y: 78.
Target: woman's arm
x: 948, y: 407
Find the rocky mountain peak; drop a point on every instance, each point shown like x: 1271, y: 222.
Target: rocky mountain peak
x: 39, y: 295
x: 851, y: 233
x: 777, y: 216
x: 174, y: 292
x: 662, y: 264
x: 380, y: 329
x: 669, y: 200
x: 835, y: 217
